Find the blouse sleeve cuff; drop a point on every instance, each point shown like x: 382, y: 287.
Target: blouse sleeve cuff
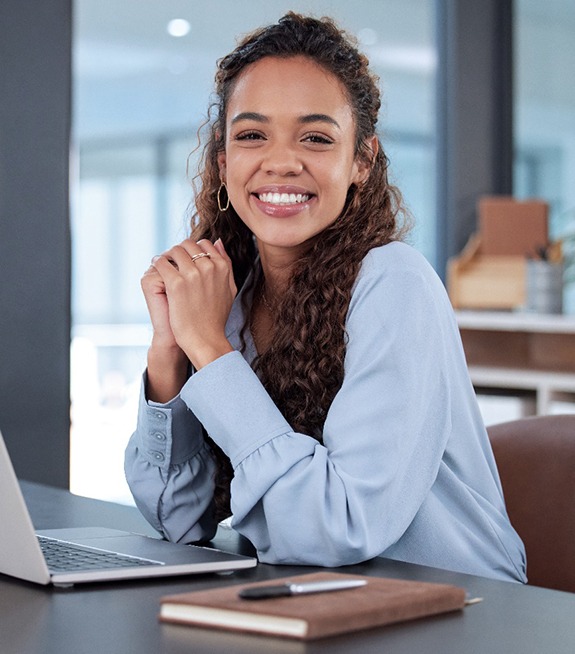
x: 169, y: 434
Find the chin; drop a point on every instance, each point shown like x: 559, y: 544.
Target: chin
x: 287, y: 243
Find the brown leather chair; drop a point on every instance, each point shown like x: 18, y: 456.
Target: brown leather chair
x: 536, y: 461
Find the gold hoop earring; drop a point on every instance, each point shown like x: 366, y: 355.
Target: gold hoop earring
x: 223, y: 209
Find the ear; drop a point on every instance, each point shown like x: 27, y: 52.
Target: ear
x: 222, y: 165
x: 364, y: 166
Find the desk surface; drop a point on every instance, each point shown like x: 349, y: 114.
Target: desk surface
x: 122, y: 618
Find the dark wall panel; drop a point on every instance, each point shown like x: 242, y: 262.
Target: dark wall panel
x: 474, y: 113
x: 35, y: 82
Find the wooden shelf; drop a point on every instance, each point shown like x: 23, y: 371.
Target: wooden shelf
x: 547, y: 387
x: 509, y: 321
x: 517, y: 353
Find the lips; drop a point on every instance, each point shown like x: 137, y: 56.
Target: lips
x: 282, y: 197
x: 282, y: 201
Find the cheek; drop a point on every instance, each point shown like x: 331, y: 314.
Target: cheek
x: 339, y: 178
x: 342, y: 168
x: 239, y: 169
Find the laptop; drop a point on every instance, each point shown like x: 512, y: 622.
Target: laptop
x: 64, y: 557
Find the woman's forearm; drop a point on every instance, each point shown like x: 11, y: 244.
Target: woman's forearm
x: 167, y: 373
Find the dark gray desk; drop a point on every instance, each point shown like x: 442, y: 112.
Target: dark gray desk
x: 122, y: 618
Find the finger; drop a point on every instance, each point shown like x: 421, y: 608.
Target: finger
x: 152, y: 278
x: 151, y: 270
x: 208, y: 247
x: 189, y: 251
x: 209, y: 252
x: 179, y: 256
x: 220, y: 248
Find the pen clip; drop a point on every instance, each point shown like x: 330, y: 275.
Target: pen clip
x: 264, y: 592
x: 301, y: 588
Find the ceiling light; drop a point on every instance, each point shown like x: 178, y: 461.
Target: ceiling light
x: 178, y: 27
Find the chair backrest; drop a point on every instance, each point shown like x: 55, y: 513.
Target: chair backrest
x: 536, y: 462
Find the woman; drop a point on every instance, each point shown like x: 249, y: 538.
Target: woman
x: 328, y: 400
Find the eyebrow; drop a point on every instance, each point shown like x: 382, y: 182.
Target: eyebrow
x: 318, y: 118
x: 250, y: 115
x: 308, y: 118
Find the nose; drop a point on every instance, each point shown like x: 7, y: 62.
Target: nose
x: 282, y: 159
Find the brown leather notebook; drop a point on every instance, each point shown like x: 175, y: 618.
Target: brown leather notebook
x: 381, y: 601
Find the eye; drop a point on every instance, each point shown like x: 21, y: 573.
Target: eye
x: 318, y: 139
x: 250, y: 135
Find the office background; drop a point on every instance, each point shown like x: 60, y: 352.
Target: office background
x: 99, y: 107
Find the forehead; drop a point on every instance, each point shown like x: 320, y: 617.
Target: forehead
x: 295, y: 86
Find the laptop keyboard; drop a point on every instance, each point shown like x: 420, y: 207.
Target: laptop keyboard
x: 62, y: 556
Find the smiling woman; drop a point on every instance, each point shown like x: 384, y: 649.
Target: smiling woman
x: 139, y: 98
x: 306, y: 374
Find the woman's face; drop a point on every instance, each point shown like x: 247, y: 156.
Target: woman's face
x: 289, y: 152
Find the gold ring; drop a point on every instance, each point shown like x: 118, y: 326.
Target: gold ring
x: 199, y: 256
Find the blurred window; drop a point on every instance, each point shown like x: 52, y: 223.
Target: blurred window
x: 545, y: 117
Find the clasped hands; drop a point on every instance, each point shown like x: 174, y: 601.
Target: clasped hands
x: 189, y: 292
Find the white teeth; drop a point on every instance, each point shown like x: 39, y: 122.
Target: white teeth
x: 283, y: 198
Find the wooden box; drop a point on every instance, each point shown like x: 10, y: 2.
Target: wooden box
x: 483, y: 281
x: 512, y: 227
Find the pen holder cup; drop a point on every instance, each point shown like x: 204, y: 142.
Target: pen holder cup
x: 544, y: 287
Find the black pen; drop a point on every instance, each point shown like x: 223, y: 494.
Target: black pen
x: 284, y: 590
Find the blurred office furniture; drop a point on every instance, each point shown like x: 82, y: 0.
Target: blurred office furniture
x: 491, y: 272
x: 536, y: 461
x: 527, y: 354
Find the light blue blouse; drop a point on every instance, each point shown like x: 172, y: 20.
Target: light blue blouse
x: 405, y: 470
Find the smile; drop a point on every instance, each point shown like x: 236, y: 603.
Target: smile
x: 283, y: 198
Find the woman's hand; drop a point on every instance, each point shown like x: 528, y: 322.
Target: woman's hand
x: 167, y: 362
x: 154, y: 291
x: 189, y: 297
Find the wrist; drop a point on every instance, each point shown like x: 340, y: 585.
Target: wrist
x: 167, y: 372
x: 166, y: 352
x: 205, y: 354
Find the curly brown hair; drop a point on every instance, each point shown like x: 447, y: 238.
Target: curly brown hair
x: 303, y: 368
